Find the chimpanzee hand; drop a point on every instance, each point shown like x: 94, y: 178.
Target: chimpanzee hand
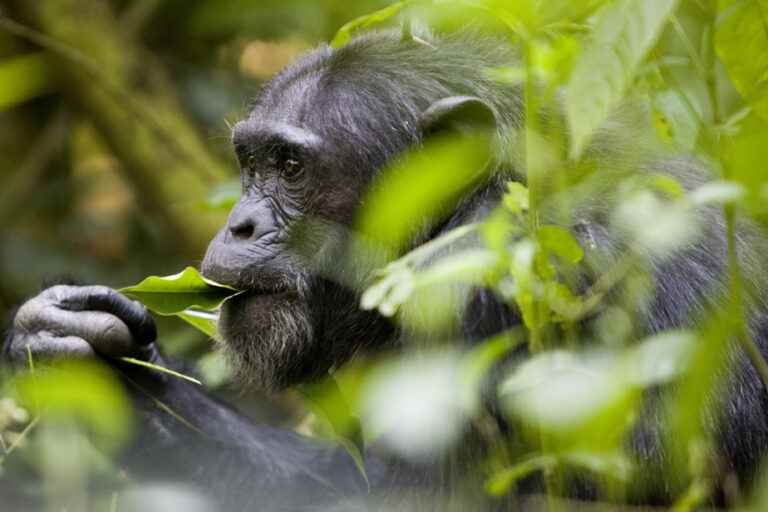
x: 81, y: 321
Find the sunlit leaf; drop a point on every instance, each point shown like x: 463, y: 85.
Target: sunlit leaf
x: 611, y: 464
x: 82, y: 389
x: 626, y: 30
x: 717, y: 192
x: 561, y: 242
x: 527, y: 17
x: 561, y: 391
x: 673, y: 226
x: 470, y: 266
x: 745, y: 153
x: 741, y: 40
x: 660, y: 358
x: 421, y: 187
x: 425, y: 418
x: 501, y: 483
x: 516, y: 199
x: 24, y: 78
x: 178, y: 293
x: 668, y: 185
x: 675, y: 123
x: 348, y: 31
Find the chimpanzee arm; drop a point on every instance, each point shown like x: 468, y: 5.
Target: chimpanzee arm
x: 184, y: 434
x: 241, y: 464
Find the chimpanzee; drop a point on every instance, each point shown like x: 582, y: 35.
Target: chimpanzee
x: 316, y: 139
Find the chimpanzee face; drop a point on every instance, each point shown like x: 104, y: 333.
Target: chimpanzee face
x: 314, y: 141
x: 295, y: 177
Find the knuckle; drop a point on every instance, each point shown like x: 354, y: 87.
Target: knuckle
x: 28, y: 315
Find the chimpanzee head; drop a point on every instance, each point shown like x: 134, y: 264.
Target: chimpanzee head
x: 313, y: 142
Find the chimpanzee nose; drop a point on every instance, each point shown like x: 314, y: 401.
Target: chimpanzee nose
x: 248, y: 222
x: 243, y: 230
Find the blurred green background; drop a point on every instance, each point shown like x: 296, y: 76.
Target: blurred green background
x: 114, y: 127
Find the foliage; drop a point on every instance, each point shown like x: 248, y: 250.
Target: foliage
x: 679, y: 77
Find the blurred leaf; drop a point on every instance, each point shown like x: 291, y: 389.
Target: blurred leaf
x: 224, y: 196
x: 745, y: 153
x: 668, y: 185
x: 391, y: 291
x: 626, y: 30
x: 566, y: 392
x: 516, y: 199
x: 560, y: 391
x: 348, y: 31
x: 421, y: 187
x: 214, y: 370
x: 426, y: 417
x: 83, y: 389
x: 562, y: 301
x: 24, y: 78
x: 325, y: 400
x: 467, y: 266
x: 741, y: 42
x: 717, y: 192
x: 611, y: 464
x: 526, y: 17
x: 501, y: 483
x: 480, y: 360
x: 177, y: 293
x: 675, y: 123
x: 561, y: 242
x: 674, y: 224
x: 660, y: 358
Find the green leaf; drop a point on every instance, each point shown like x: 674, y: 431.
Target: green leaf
x: 674, y: 120
x: 527, y: 17
x: 326, y: 400
x: 82, y: 389
x: 717, y: 192
x: 177, y: 293
x: 668, y: 185
x: 745, y: 154
x: 421, y: 187
x: 516, y: 200
x: 24, y: 78
x: 224, y: 196
x: 741, y: 42
x: 347, y: 32
x: 561, y: 242
x: 161, y: 369
x: 204, y: 321
x: 500, y: 483
x: 625, y: 32
x: 468, y: 266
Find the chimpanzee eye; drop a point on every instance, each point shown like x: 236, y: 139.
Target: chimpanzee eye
x: 290, y: 167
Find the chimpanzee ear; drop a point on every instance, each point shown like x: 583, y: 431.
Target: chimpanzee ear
x: 464, y: 114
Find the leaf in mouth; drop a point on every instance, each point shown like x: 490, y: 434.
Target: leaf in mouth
x: 187, y: 294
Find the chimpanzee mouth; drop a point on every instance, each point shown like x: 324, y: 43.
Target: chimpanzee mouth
x: 271, y: 291
x: 267, y: 288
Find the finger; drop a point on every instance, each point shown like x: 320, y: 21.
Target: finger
x: 107, y: 334
x: 44, y: 346
x: 101, y: 298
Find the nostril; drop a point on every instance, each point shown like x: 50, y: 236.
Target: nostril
x: 243, y: 230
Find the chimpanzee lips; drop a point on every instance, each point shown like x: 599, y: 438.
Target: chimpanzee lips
x: 267, y: 290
